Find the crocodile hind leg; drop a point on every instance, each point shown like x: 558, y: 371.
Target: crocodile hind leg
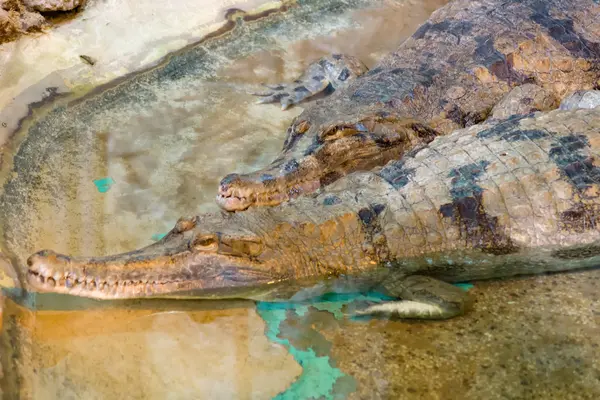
x: 327, y: 74
x: 422, y: 297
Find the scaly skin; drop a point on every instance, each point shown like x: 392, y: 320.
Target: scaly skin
x: 520, y: 196
x: 448, y: 75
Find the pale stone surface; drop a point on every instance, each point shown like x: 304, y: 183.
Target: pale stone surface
x: 53, y: 5
x: 122, y: 35
x: 581, y: 99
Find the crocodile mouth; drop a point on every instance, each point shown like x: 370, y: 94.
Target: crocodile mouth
x: 239, y: 199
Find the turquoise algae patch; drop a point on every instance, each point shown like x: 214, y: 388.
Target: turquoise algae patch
x: 464, y: 286
x: 158, y: 236
x: 320, y: 378
x: 103, y: 185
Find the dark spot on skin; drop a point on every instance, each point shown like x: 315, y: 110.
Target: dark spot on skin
x: 366, y: 215
x: 291, y: 139
x: 503, y: 127
x: 266, y: 179
x: 396, y: 174
x: 485, y: 52
x: 374, y: 71
x: 571, y: 154
x: 318, y: 78
x: 577, y: 253
x: 378, y: 208
x: 519, y: 135
x: 487, y: 55
x: 279, y: 96
x: 579, y: 218
x: 421, y: 31
x: 563, y: 31
x: 343, y: 75
x: 229, y: 179
x: 428, y: 74
x: 330, y: 178
x: 331, y: 200
x: 578, y: 166
x: 455, y: 27
x: 337, y: 56
x: 478, y: 229
x: 314, y: 146
x: 325, y: 64
x: 397, y: 71
x: 301, y: 89
x: 291, y: 166
x: 376, y: 242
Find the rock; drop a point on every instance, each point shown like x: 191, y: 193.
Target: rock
x: 52, y: 5
x: 524, y: 99
x: 31, y: 20
x: 581, y: 99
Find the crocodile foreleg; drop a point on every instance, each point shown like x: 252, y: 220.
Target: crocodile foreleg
x: 321, y: 77
x: 423, y: 297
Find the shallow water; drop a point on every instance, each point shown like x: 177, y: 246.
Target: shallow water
x: 112, y: 170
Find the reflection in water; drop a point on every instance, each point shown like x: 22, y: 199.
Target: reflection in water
x: 149, y: 354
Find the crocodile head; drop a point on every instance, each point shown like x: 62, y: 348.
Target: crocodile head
x: 315, y: 156
x: 213, y: 256
x: 203, y: 257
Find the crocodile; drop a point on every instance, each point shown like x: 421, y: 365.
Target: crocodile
x: 448, y: 75
x: 507, y: 197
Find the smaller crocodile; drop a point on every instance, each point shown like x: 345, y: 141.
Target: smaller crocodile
x: 448, y: 75
x: 512, y: 197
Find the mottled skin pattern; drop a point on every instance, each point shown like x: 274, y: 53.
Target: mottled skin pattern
x: 519, y: 196
x: 448, y: 75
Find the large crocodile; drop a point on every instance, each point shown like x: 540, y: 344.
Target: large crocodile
x: 448, y: 75
x: 498, y: 199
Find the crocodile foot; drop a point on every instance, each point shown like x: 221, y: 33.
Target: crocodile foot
x: 422, y: 297
x: 323, y: 76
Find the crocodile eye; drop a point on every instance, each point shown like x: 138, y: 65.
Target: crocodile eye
x: 204, y: 243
